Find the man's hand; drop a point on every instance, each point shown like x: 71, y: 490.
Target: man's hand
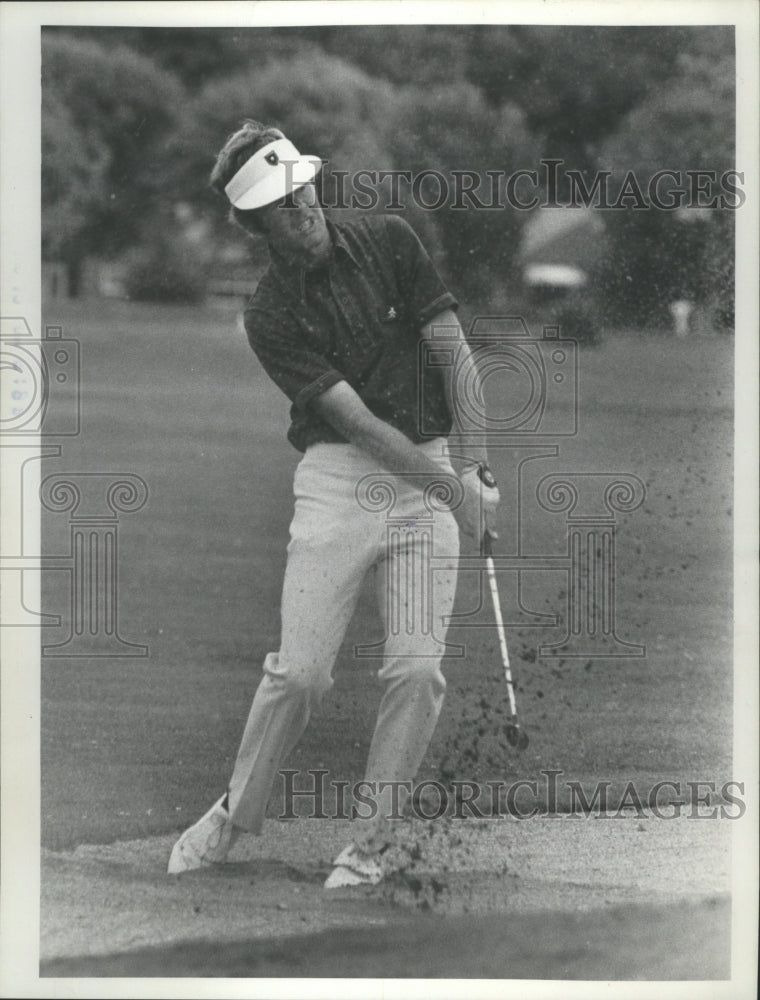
x: 477, y: 512
x: 347, y: 413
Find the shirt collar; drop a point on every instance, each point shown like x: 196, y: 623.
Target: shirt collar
x: 293, y: 273
x: 339, y: 242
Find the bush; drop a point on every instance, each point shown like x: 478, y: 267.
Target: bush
x: 165, y: 272
x: 578, y: 320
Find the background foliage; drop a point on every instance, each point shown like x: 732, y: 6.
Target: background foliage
x: 132, y: 119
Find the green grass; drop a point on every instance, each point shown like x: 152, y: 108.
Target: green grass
x: 138, y: 746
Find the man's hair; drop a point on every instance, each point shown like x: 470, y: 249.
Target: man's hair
x: 237, y: 150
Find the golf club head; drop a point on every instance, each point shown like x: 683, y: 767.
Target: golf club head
x: 515, y: 736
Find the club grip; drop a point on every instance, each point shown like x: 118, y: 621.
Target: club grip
x: 486, y: 544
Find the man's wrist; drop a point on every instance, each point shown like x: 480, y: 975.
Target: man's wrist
x: 483, y: 472
x: 486, y: 476
x: 472, y: 461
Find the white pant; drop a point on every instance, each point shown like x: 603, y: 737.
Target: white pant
x: 335, y: 540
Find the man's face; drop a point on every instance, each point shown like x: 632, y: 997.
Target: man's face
x: 296, y: 227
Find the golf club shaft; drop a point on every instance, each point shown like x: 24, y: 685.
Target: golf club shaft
x: 502, y: 634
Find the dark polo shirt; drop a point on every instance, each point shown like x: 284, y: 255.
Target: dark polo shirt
x: 357, y: 319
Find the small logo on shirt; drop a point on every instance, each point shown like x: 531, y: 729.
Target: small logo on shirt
x: 391, y: 314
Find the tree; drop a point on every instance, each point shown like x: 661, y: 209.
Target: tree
x: 657, y: 256
x: 573, y: 83
x: 422, y: 54
x: 455, y: 132
x: 74, y: 165
x: 108, y: 118
x: 195, y: 56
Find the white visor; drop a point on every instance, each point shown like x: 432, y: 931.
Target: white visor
x: 271, y: 173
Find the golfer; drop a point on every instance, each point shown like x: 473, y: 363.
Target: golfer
x: 336, y: 323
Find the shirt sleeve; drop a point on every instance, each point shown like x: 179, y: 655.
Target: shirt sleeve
x: 424, y: 292
x: 301, y: 373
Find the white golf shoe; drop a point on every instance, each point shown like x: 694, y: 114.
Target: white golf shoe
x: 204, y: 844
x: 353, y: 867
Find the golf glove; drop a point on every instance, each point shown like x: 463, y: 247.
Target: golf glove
x: 480, y: 479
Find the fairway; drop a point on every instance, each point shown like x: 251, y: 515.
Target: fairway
x: 136, y: 748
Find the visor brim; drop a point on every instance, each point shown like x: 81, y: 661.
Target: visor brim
x: 280, y: 183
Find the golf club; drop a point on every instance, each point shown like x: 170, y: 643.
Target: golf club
x: 516, y: 737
